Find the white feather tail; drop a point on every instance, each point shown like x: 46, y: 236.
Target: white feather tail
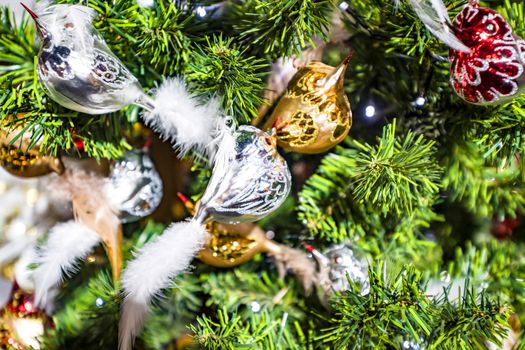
x: 152, y: 270
x: 434, y: 15
x: 67, y: 243
x: 182, y: 118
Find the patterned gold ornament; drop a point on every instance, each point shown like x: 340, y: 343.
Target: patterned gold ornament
x: 231, y: 245
x: 17, y: 158
x: 314, y: 113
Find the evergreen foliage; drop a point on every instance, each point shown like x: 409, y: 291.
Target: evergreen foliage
x: 414, y: 189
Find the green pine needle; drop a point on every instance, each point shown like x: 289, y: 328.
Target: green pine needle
x: 219, y: 68
x: 281, y: 28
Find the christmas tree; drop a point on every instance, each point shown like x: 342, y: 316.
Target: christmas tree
x: 262, y: 174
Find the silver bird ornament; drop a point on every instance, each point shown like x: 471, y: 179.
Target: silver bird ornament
x: 249, y: 181
x: 78, y: 71
x: 248, y: 186
x: 77, y: 68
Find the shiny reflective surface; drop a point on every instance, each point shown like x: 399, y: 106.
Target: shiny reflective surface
x: 135, y: 186
x: 314, y: 113
x: 253, y: 183
x: 343, y: 262
x: 76, y: 67
x: 493, y: 71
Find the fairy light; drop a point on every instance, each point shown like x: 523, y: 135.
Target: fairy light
x: 99, y: 302
x: 256, y: 307
x: 145, y: 3
x: 370, y: 111
x: 420, y: 101
x: 201, y: 11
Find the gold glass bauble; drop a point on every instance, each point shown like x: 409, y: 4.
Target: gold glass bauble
x: 17, y: 158
x: 232, y: 245
x: 313, y: 115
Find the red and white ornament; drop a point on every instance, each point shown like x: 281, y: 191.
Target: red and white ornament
x: 493, y: 69
x: 487, y: 58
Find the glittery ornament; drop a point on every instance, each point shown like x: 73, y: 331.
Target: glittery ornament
x: 343, y: 263
x: 232, y: 245
x: 493, y: 69
x: 76, y: 67
x: 21, y: 323
x: 19, y: 159
x: 487, y: 58
x: 135, y: 186
x: 314, y: 113
x: 250, y: 184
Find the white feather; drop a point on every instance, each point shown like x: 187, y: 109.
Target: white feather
x: 223, y: 159
x: 66, y: 244
x: 152, y: 270
x: 180, y: 117
x: 434, y: 15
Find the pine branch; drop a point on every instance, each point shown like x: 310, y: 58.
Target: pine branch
x: 500, y: 266
x: 17, y: 50
x: 280, y: 28
x: 398, y: 28
x: 89, y: 320
x: 356, y: 188
x: 398, y: 173
x: 484, y: 187
x: 173, y: 312
x: 220, y: 69
x: 396, y: 313
x: 240, y: 287
x: 513, y: 12
x: 155, y: 40
x: 230, y: 331
x: 470, y: 324
x: 500, y: 133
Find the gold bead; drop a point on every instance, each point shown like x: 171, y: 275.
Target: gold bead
x: 313, y: 115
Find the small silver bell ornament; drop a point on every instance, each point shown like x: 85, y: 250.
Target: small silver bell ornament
x: 249, y: 181
x: 135, y: 186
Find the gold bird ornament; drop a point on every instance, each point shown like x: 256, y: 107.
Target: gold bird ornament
x: 313, y: 115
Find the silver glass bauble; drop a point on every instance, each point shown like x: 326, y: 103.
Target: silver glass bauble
x: 253, y: 182
x: 135, y: 186
x: 76, y: 67
x: 343, y: 265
